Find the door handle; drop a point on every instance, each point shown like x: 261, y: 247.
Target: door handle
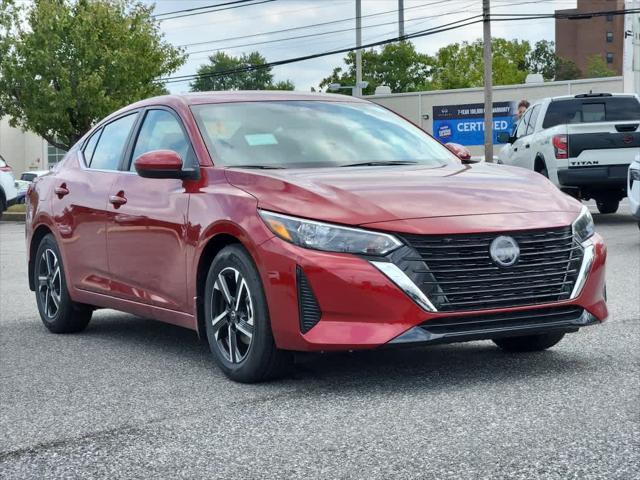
x: 61, y: 191
x: 117, y: 200
x: 527, y: 146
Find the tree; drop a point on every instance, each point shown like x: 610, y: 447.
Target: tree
x: 461, y: 65
x: 543, y: 59
x: 211, y: 76
x: 567, y: 70
x: 597, y: 67
x: 65, y: 64
x: 397, y: 65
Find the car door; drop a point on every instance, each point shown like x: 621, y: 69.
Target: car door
x: 521, y: 147
x: 79, y: 203
x: 146, y: 233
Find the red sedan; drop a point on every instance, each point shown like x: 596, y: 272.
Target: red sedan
x: 279, y: 222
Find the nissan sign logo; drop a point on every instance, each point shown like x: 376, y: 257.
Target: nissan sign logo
x: 504, y: 251
x: 627, y: 139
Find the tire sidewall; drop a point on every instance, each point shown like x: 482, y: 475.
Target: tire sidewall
x: 262, y: 341
x: 48, y: 242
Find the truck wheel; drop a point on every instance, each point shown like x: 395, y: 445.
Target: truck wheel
x: 607, y: 205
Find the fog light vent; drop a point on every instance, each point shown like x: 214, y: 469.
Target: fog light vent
x: 307, y: 303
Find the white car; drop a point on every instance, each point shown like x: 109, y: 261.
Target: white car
x: 25, y: 180
x: 634, y: 188
x: 584, y: 144
x: 8, y: 191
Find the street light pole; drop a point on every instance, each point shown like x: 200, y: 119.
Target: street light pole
x: 488, y: 83
x: 358, y: 89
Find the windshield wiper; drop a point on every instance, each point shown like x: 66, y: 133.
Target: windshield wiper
x: 380, y: 163
x: 261, y: 167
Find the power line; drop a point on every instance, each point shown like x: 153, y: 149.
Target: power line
x: 204, y: 7
x: 309, y: 35
x: 302, y: 27
x: 242, y: 3
x: 431, y: 31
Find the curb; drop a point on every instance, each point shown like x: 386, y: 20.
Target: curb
x: 13, y: 217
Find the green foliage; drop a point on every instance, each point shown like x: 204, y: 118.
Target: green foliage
x: 461, y: 65
x: 397, y: 65
x: 258, y: 79
x: 65, y: 64
x: 597, y: 67
x: 542, y: 59
x: 567, y: 70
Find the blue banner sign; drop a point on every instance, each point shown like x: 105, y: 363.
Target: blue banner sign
x: 464, y: 124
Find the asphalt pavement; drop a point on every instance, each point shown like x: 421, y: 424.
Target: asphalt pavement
x: 133, y: 398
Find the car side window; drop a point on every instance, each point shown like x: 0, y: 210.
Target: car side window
x: 161, y: 130
x: 112, y: 142
x: 533, y: 120
x: 522, y: 126
x: 90, y: 147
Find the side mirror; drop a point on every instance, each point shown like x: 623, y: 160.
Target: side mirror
x: 504, y: 137
x: 163, y: 164
x: 459, y: 151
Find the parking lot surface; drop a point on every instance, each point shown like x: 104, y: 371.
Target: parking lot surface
x: 132, y: 398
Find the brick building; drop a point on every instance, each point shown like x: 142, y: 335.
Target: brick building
x: 578, y: 40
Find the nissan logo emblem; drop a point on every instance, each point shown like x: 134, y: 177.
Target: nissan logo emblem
x: 627, y: 139
x: 504, y: 251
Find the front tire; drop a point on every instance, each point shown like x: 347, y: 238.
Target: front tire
x: 58, y: 312
x: 529, y: 343
x: 237, y: 320
x: 608, y: 205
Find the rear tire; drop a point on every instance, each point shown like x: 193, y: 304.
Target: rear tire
x: 237, y: 320
x: 530, y: 343
x: 58, y: 312
x: 607, y: 205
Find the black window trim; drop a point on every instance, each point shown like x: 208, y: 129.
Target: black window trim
x: 127, y: 157
x: 98, y: 129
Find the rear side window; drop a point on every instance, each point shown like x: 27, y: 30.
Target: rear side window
x: 161, y: 130
x: 589, y: 110
x: 112, y: 143
x: 533, y: 120
x: 90, y: 147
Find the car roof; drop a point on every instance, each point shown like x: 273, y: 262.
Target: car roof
x: 590, y: 96
x: 200, y: 98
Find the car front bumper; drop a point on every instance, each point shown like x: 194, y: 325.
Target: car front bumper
x: 360, y: 307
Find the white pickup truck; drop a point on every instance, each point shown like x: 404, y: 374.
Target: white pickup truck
x: 583, y: 143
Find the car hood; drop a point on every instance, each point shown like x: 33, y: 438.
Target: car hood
x: 361, y: 195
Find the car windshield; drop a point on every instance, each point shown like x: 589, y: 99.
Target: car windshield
x: 313, y: 134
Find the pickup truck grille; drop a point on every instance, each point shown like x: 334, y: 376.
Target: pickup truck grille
x: 460, y: 274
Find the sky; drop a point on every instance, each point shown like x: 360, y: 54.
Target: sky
x: 220, y: 27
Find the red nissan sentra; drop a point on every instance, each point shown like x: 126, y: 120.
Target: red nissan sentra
x: 277, y: 222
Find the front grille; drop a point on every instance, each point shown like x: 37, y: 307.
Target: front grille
x: 457, y: 273
x: 526, y: 319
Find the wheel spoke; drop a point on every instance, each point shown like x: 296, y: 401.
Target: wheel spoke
x: 231, y: 339
x: 55, y: 297
x: 245, y: 328
x: 241, y: 287
x: 47, y: 261
x: 46, y: 301
x: 218, y: 321
x: 221, y: 284
x: 56, y: 273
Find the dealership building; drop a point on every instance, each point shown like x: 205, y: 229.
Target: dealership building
x: 450, y: 115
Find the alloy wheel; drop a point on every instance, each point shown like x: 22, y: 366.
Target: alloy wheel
x: 49, y: 283
x: 232, y: 315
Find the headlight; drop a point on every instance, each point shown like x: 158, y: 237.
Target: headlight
x: 327, y: 237
x: 583, y: 226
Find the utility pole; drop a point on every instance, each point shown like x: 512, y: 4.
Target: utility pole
x: 400, y: 18
x: 357, y: 91
x: 488, y: 83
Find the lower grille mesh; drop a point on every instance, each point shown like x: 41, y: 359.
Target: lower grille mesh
x: 459, y: 274
x: 309, y: 309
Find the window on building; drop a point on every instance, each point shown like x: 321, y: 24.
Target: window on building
x: 54, y: 154
x: 609, y: 37
x: 609, y: 17
x: 609, y: 57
